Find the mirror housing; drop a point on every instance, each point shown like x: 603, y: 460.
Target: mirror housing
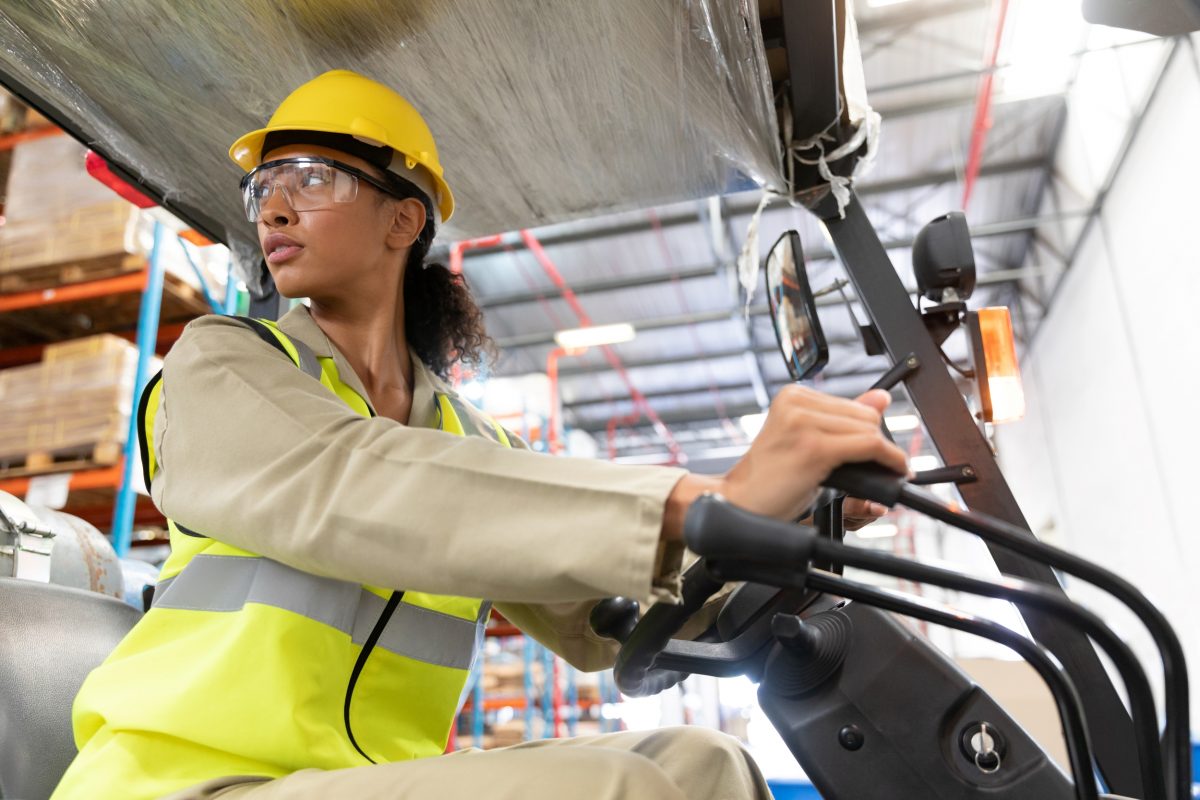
x: 793, y: 309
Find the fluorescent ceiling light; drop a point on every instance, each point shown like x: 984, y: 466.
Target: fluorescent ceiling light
x: 902, y: 422
x: 595, y: 336
x: 880, y: 530
x: 882, y: 3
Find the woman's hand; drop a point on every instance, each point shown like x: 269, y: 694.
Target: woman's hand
x: 858, y: 513
x: 806, y: 435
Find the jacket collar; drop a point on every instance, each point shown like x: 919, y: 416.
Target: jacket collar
x: 299, y: 324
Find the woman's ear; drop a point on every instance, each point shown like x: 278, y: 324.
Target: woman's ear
x: 408, y: 220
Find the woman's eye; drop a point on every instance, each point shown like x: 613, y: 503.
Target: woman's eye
x: 312, y: 178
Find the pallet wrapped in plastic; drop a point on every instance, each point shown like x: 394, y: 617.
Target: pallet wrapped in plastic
x: 542, y: 112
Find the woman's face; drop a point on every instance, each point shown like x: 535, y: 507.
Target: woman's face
x: 348, y: 249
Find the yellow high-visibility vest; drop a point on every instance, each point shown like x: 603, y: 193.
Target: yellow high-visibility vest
x: 246, y: 666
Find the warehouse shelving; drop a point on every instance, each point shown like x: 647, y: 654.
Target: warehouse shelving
x: 130, y: 304
x: 549, y: 710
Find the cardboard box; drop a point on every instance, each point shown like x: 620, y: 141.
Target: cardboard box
x: 78, y: 399
x: 57, y: 215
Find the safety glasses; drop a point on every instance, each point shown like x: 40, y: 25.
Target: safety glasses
x: 308, y: 183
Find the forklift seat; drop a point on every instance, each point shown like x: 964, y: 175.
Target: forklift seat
x: 51, y: 637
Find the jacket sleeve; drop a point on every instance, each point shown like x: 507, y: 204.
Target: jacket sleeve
x: 564, y: 627
x: 256, y: 454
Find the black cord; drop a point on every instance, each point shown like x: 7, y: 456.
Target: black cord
x: 361, y: 662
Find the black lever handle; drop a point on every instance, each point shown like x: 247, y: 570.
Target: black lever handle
x: 719, y: 530
x: 869, y: 481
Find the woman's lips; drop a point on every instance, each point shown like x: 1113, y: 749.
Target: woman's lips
x: 279, y: 255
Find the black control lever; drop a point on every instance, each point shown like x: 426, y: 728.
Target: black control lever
x: 719, y: 530
x: 869, y: 481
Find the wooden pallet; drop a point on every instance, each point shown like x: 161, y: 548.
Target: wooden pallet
x: 50, y: 276
x: 74, y: 459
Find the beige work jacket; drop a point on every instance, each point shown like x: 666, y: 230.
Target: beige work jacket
x: 255, y: 453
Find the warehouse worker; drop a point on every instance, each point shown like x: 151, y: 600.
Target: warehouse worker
x: 337, y: 512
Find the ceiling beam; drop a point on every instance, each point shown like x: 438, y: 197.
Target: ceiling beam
x: 544, y: 338
x: 739, y: 386
x: 598, y: 286
x: 679, y: 217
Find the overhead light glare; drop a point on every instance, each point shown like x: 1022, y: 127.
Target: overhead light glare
x: 923, y: 463
x: 751, y: 424
x: 595, y: 336
x: 902, y: 422
x: 880, y: 530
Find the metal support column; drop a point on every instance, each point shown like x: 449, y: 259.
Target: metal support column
x: 530, y: 695
x: 959, y: 440
x: 147, y: 339
x: 547, y: 693
x: 478, y: 712
x: 573, y: 708
x: 231, y: 291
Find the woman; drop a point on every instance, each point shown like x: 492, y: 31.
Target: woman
x: 311, y: 467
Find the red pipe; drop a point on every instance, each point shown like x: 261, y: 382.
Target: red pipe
x: 639, y: 401
x: 983, y: 110
x: 619, y: 422
x: 553, y: 445
x: 456, y: 249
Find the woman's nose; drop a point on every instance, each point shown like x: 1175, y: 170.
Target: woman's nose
x: 276, y: 207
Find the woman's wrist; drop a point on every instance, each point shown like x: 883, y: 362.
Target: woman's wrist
x: 689, y: 488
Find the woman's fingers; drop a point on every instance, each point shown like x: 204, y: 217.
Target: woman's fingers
x: 878, y: 399
x: 805, y: 398
x: 867, y: 447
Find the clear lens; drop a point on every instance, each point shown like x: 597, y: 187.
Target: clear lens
x: 305, y: 185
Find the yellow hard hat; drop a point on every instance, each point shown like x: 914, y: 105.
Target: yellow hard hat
x: 346, y: 103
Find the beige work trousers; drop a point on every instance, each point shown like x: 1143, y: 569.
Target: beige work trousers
x: 682, y: 763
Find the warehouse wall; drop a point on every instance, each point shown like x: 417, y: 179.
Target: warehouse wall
x: 1107, y: 462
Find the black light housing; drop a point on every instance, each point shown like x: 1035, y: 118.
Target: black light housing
x: 943, y: 259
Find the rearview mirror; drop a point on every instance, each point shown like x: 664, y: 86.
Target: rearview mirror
x: 793, y: 309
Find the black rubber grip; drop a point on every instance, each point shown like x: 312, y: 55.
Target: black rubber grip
x: 868, y: 481
x: 719, y: 530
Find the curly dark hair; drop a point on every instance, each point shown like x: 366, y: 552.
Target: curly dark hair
x: 441, y: 320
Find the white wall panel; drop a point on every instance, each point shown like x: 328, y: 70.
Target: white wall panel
x: 1107, y: 462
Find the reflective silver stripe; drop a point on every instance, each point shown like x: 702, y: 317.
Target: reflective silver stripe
x: 418, y: 633
x: 308, y: 359
x: 227, y: 583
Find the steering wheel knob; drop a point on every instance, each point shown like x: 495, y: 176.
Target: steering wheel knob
x: 614, y: 618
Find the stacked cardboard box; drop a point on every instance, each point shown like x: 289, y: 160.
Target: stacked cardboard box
x: 59, y: 216
x: 76, y: 402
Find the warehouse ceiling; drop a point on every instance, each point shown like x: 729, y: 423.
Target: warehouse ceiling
x: 669, y: 270
x: 564, y: 111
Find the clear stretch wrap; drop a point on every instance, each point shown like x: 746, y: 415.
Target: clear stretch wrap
x: 542, y: 111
